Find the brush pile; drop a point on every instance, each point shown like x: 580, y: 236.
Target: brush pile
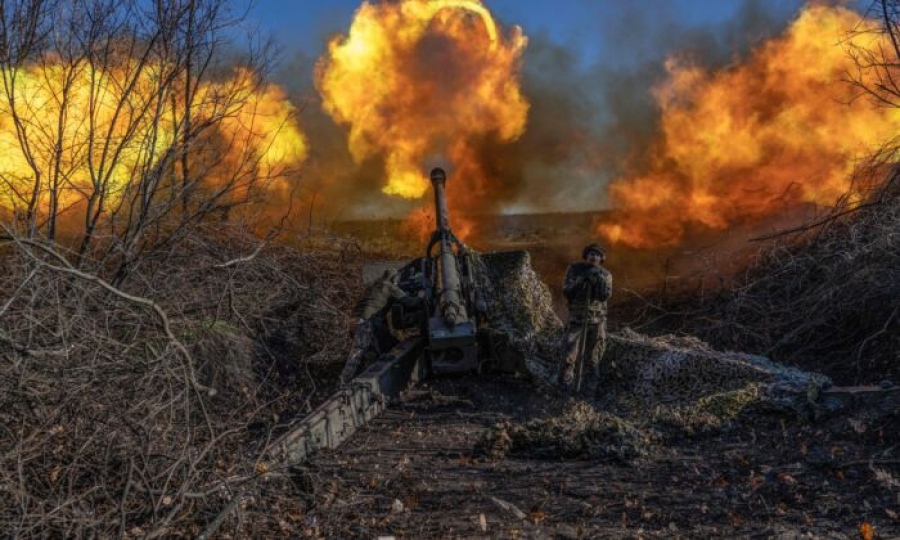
x: 824, y: 296
x: 141, y: 410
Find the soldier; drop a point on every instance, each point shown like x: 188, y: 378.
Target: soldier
x: 587, y: 288
x: 367, y: 313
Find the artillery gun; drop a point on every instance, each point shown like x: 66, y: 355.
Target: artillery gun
x: 457, y: 325
x: 446, y: 328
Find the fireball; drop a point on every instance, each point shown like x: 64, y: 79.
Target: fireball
x: 781, y: 129
x: 415, y: 79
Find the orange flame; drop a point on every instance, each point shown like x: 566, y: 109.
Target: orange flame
x: 70, y: 123
x: 417, y: 78
x: 740, y: 144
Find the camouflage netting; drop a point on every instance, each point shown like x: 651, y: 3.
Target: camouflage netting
x: 680, y: 371
x: 579, y: 432
x: 521, y: 307
x: 668, y: 381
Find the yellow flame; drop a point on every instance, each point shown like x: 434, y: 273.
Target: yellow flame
x: 415, y: 78
x: 426, y: 11
x: 86, y: 129
x: 739, y: 144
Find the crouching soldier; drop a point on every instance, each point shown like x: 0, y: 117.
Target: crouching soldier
x: 587, y: 287
x: 369, y: 316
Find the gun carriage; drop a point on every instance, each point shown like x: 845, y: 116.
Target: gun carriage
x: 445, y: 318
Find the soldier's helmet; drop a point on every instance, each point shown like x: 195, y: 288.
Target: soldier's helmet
x: 596, y: 248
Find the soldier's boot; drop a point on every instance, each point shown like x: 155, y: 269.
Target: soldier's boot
x: 590, y: 384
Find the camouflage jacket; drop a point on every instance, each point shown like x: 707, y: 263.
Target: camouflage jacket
x: 376, y: 298
x: 582, y: 278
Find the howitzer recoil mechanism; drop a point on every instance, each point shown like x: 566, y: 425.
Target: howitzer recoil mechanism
x: 452, y: 304
x: 445, y: 315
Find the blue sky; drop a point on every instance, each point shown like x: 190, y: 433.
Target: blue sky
x: 587, y: 26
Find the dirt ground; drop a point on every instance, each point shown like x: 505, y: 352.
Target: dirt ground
x: 418, y: 472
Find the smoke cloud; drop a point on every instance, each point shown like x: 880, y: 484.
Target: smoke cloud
x: 589, y: 121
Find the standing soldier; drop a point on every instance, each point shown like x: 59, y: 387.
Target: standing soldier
x: 587, y: 288
x: 371, y: 308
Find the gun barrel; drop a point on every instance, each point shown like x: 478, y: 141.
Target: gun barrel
x: 439, y: 183
x: 453, y: 308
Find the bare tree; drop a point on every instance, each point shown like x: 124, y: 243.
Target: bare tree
x: 874, y: 46
x: 128, y: 360
x: 128, y: 123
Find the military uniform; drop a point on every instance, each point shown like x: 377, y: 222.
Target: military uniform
x: 586, y: 288
x: 370, y: 309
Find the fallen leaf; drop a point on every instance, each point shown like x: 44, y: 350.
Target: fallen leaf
x: 262, y: 467
x: 482, y: 523
x: 411, y: 500
x: 755, y: 481
x: 866, y: 531
x: 787, y: 479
